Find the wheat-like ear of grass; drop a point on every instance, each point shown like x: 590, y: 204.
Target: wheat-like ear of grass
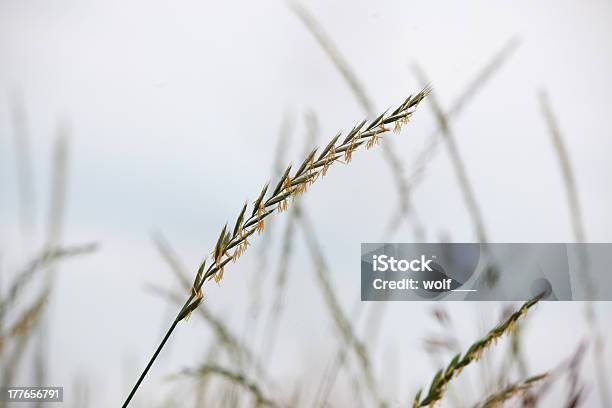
x: 513, y: 390
x: 289, y: 186
x: 444, y: 376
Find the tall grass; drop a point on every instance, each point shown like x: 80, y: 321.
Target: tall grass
x: 517, y: 389
x: 427, y: 153
x: 444, y: 376
x: 25, y: 182
x: 571, y: 189
x: 457, y: 161
x: 314, y: 167
x: 239, y: 379
x: 18, y: 324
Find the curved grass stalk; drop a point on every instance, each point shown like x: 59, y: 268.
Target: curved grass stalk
x: 428, y: 152
x: 458, y: 363
x: 22, y: 329
x: 341, y: 321
x: 498, y: 398
x: 314, y: 167
x: 458, y: 163
x: 46, y: 258
x: 235, y: 378
x: 573, y: 199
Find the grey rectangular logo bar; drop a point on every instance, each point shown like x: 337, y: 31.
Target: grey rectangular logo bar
x: 473, y: 271
x: 32, y: 394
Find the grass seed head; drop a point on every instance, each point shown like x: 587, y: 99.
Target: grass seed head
x: 293, y: 185
x: 240, y: 221
x: 219, y: 275
x: 283, y: 206
x: 348, y: 153
x: 473, y: 354
x: 372, y: 141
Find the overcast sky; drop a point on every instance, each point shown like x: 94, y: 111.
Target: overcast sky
x: 174, y: 109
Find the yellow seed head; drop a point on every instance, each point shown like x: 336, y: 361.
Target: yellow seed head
x: 241, y: 249
x: 397, y: 127
x: 373, y: 141
x: 300, y: 188
x: 260, y: 210
x: 238, y: 252
x: 348, y: 154
x: 287, y: 183
x: 219, y: 275
x: 260, y: 226
x: 282, y: 206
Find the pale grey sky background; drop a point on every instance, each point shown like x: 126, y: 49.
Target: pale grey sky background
x: 174, y: 110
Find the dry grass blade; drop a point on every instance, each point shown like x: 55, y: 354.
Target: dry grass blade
x: 575, y: 392
x: 340, y: 319
x: 570, y: 188
x: 566, y: 167
x: 443, y: 377
x: 517, y: 389
x: 56, y: 215
x: 340, y: 360
x: 424, y: 157
x: 476, y: 84
x: 459, y: 104
x: 24, y: 323
x: 255, y: 223
x: 21, y: 331
x: 457, y: 162
x: 334, y: 54
x: 58, y: 189
x: 235, y: 378
x: 580, y: 237
x: 27, y: 207
x: 555, y: 374
x: 210, y: 357
x: 44, y: 259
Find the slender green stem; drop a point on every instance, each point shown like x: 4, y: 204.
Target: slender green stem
x: 157, y: 351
